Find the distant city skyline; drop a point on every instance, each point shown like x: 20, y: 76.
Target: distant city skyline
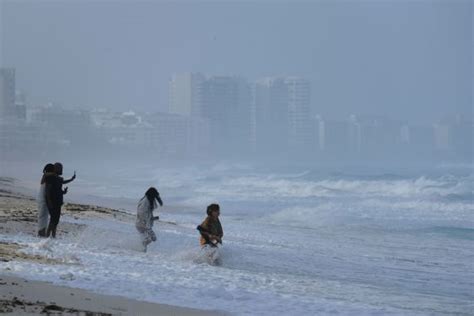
x: 409, y: 60
x: 227, y: 117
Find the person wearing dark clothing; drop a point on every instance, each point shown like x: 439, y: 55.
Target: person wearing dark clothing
x: 55, y: 197
x: 211, y: 228
x: 58, y: 169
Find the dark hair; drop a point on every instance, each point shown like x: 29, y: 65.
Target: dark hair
x: 212, y: 207
x: 58, y: 168
x: 48, y: 168
x: 152, y: 194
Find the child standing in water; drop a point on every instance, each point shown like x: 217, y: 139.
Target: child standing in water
x: 145, y: 218
x: 211, y: 234
x: 211, y: 229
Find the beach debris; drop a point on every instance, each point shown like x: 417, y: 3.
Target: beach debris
x: 49, y: 308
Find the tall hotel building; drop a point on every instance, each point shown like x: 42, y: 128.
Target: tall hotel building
x: 282, y: 111
x: 7, y: 92
x: 185, y: 94
x: 227, y: 104
x: 299, y: 124
x: 185, y: 103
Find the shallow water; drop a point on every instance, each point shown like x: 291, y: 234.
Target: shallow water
x: 301, y: 242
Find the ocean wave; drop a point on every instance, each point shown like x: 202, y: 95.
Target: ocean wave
x: 466, y: 233
x: 375, y: 212
x: 309, y: 199
x: 267, y: 187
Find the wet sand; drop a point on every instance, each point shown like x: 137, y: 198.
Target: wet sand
x: 20, y: 296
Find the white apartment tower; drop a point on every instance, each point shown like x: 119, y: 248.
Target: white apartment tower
x: 185, y: 94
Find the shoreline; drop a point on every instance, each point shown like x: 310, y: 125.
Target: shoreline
x: 18, y: 214
x: 24, y: 296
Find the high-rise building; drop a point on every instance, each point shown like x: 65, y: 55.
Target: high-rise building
x: 271, y: 115
x: 185, y: 94
x: 20, y: 104
x: 299, y: 128
x: 226, y: 104
x: 354, y: 134
x: 282, y: 109
x: 7, y: 92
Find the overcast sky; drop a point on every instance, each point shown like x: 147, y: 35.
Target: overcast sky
x: 405, y: 59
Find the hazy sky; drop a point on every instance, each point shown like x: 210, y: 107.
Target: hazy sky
x: 406, y: 59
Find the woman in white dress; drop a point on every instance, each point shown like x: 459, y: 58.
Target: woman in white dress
x: 43, y: 212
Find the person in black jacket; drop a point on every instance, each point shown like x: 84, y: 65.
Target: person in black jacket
x: 54, y: 197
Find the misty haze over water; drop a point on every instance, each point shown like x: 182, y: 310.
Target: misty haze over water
x: 269, y: 82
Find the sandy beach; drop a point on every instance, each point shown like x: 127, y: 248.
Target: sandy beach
x: 19, y: 296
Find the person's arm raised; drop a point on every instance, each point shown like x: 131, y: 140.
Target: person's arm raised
x: 70, y: 180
